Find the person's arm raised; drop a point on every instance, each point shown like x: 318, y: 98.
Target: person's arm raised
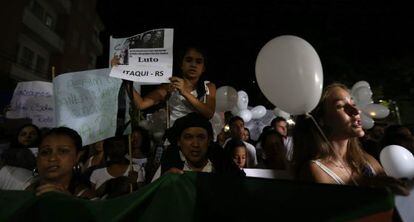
x: 153, y: 98
x: 206, y: 109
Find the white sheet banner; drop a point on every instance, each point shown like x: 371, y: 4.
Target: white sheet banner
x: 33, y: 100
x: 146, y: 58
x: 87, y: 102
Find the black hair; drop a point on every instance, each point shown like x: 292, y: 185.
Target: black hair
x: 115, y: 149
x: 200, y: 87
x: 269, y: 133
x: 276, y: 120
x: 23, y: 158
x: 116, y: 187
x: 146, y: 142
x: 190, y: 120
x: 231, y: 146
x: 234, y: 119
x: 66, y: 131
x: 16, y: 144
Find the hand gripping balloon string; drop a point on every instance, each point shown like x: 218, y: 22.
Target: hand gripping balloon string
x: 330, y: 145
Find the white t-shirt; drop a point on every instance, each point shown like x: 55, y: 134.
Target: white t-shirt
x: 101, y: 175
x: 138, y: 161
x: 252, y: 153
x: 15, y: 178
x: 287, y: 141
x: 179, y: 105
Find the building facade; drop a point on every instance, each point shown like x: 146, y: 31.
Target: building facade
x: 40, y: 34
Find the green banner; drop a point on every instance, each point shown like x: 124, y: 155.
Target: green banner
x: 205, y: 197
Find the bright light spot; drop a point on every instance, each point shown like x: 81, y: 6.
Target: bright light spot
x: 373, y: 114
x: 290, y: 122
x: 226, y: 128
x: 317, y: 78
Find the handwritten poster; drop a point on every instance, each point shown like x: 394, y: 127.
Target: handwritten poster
x: 87, y: 102
x: 33, y: 100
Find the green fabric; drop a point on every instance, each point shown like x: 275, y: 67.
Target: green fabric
x: 205, y: 197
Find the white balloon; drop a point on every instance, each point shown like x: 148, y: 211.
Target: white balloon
x: 226, y: 98
x: 376, y: 111
x: 281, y: 113
x: 367, y: 122
x: 258, y: 112
x: 242, y: 100
x: 397, y: 161
x: 360, y: 84
x: 216, y: 123
x: 246, y: 115
x: 235, y: 111
x: 289, y: 73
x: 362, y: 96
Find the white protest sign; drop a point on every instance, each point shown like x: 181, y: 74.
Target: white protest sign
x: 33, y: 100
x: 87, y: 102
x: 146, y: 58
x: 268, y: 173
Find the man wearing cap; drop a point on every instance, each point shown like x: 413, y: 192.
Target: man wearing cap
x: 192, y: 149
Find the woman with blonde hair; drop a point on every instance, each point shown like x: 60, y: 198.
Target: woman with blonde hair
x: 335, y: 156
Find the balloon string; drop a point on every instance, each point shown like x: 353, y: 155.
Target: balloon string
x: 331, y: 146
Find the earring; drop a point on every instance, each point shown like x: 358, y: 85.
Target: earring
x: 35, y: 172
x: 77, y: 168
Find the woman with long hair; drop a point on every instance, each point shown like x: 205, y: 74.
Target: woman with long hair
x: 335, y: 156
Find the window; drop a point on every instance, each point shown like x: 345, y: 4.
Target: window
x: 38, y: 10
x: 27, y: 57
x: 49, y: 21
x: 40, y: 64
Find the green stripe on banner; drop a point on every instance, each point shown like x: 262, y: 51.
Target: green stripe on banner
x: 205, y: 197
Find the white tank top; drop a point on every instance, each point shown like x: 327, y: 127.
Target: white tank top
x: 179, y: 106
x: 333, y: 175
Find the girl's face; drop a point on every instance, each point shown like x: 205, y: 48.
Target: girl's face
x: 193, y: 64
x: 341, y: 115
x: 57, y: 157
x: 27, y: 136
x: 239, y: 156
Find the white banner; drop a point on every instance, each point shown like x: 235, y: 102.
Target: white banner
x: 87, y: 102
x: 33, y: 100
x: 146, y: 58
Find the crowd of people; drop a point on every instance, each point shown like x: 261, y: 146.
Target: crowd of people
x: 55, y: 160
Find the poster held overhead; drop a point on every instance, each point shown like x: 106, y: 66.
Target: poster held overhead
x: 146, y: 58
x: 88, y: 103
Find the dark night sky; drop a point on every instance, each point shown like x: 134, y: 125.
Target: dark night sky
x: 356, y: 40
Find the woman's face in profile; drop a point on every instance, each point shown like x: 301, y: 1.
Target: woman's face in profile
x: 341, y: 115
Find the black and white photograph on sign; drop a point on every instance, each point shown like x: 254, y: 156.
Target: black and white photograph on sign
x: 150, y: 39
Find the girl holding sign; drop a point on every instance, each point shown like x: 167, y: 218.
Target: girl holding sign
x: 185, y: 93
